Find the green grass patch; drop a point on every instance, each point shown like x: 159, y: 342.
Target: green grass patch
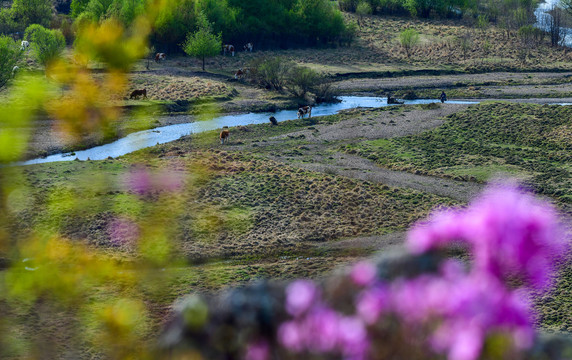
x: 529, y: 142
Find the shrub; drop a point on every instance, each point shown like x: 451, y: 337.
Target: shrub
x: 29, y: 12
x: 362, y: 10
x: 9, y: 55
x: 47, y: 44
x: 301, y: 80
x: 324, y: 91
x: 271, y: 73
x: 7, y: 23
x: 409, y: 39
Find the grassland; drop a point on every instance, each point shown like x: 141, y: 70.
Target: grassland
x: 530, y: 142
x: 277, y: 200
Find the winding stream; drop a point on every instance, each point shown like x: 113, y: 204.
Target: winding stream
x: 143, y: 139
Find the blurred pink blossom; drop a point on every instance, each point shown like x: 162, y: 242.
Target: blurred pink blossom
x: 363, y: 273
x: 139, y: 181
x: 142, y: 181
x: 290, y: 335
x: 469, y: 307
x: 259, y: 350
x: 510, y: 234
x: 300, y: 295
x: 123, y: 231
x: 371, y: 303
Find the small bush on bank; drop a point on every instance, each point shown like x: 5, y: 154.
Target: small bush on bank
x: 280, y: 74
x: 301, y: 80
x: 270, y: 73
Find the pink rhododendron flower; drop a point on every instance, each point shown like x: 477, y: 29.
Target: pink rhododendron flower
x: 442, y: 228
x: 509, y: 232
x: 371, y: 303
x: 123, y: 231
x: 322, y: 326
x: 300, y: 295
x: 169, y: 181
x: 142, y: 181
x: 353, y: 339
x: 139, y: 181
x: 363, y: 273
x: 469, y: 307
x: 259, y: 350
x: 290, y: 336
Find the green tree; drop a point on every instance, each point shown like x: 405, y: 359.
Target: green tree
x: 47, y: 44
x: 7, y: 23
x: 203, y: 43
x: 29, y: 12
x: 362, y: 10
x: 77, y: 7
x: 9, y: 55
x: 409, y: 38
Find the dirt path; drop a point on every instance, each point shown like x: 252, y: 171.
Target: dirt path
x: 386, y: 242
x: 359, y: 168
x: 445, y: 81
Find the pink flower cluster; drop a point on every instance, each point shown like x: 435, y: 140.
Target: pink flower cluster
x: 142, y: 181
x: 317, y: 328
x: 468, y: 308
x: 509, y: 234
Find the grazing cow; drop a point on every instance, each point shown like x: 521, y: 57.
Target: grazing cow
x: 248, y: 47
x: 25, y: 45
x: 15, y: 70
x: 136, y: 93
x: 273, y: 120
x: 224, y: 135
x: 239, y: 74
x: 228, y: 49
x: 393, y: 101
x: 242, y: 72
x: 160, y: 56
x: 304, y: 110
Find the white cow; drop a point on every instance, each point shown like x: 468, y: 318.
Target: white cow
x: 228, y: 49
x: 15, y: 70
x: 304, y: 110
x: 25, y: 45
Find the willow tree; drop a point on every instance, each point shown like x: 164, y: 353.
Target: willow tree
x: 203, y: 43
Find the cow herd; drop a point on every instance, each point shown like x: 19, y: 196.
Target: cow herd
x: 242, y: 72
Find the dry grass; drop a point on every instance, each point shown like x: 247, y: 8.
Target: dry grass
x: 160, y: 87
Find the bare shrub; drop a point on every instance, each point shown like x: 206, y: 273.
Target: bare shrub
x: 270, y: 73
x: 301, y: 81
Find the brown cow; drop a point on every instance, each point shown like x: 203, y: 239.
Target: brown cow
x: 160, y: 56
x: 224, y: 135
x: 239, y: 74
x: 136, y: 93
x: 304, y: 110
x: 228, y: 48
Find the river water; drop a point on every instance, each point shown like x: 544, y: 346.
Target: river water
x: 543, y: 19
x: 143, y: 139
